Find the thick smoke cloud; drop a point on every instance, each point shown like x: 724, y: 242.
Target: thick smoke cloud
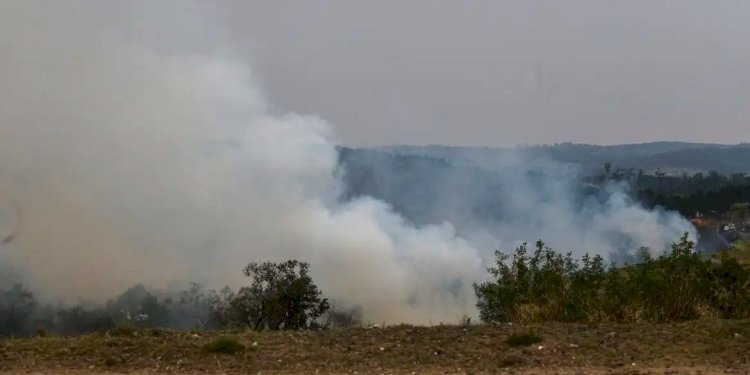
x: 132, y: 162
x: 510, y: 198
x: 132, y: 150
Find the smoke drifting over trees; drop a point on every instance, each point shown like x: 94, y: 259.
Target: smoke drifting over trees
x: 137, y: 154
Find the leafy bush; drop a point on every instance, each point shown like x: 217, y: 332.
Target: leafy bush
x: 281, y: 296
x: 547, y: 285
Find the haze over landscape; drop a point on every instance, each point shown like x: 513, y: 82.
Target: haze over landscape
x: 501, y: 73
x: 513, y: 186
x: 149, y: 150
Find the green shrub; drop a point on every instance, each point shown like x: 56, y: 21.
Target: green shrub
x: 547, y: 285
x: 524, y: 339
x: 224, y: 345
x: 280, y: 296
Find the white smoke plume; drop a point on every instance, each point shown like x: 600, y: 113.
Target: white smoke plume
x: 137, y: 152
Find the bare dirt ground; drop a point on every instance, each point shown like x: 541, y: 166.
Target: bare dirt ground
x: 698, y: 347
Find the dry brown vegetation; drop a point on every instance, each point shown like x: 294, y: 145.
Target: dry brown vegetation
x: 700, y: 345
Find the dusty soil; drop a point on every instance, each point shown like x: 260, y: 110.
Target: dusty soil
x: 704, y: 346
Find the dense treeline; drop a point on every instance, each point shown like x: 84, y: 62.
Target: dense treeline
x: 660, y: 182
x: 716, y: 202
x: 684, y: 184
x: 711, y: 194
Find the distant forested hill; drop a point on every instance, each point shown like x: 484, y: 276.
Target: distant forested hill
x: 434, y: 183
x: 422, y: 188
x: 670, y: 157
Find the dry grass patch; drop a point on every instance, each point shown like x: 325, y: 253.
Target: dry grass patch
x: 709, y: 343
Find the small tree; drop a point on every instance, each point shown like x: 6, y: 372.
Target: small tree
x: 219, y: 305
x: 281, y: 296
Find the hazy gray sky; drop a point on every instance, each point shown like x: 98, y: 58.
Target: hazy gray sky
x: 506, y: 72
x: 479, y: 72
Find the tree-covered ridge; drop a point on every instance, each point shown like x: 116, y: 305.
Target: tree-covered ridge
x: 417, y: 185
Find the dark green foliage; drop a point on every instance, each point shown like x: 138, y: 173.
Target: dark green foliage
x: 679, y: 285
x: 712, y: 193
x: 224, y: 345
x: 524, y: 339
x: 281, y: 296
x: 720, y: 200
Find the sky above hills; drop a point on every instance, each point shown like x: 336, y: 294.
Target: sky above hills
x: 493, y: 73
x: 506, y: 72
